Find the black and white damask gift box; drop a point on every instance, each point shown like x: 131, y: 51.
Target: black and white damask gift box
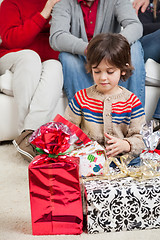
x: 122, y: 205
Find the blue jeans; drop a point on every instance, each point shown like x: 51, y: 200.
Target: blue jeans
x: 135, y: 162
x: 151, y: 46
x: 76, y: 77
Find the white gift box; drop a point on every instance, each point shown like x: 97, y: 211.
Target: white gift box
x: 121, y: 205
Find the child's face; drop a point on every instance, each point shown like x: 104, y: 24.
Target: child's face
x: 106, y: 77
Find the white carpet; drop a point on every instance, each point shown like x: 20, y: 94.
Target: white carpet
x: 15, y: 219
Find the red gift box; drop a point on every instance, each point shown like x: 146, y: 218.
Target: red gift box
x: 55, y: 196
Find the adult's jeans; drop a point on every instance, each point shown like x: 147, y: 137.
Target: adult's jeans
x: 151, y: 46
x: 76, y: 77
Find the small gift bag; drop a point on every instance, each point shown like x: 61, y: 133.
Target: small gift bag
x: 151, y: 140
x: 150, y: 156
x: 55, y: 195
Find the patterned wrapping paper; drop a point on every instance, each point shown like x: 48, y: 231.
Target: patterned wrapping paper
x: 122, y: 205
x: 92, y: 159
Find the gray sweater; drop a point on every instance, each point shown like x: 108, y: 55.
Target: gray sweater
x: 67, y: 32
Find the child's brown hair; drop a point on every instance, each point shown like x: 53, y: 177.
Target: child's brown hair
x: 112, y: 47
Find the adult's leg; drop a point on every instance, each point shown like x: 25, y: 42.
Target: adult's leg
x: 46, y: 96
x: 150, y: 44
x: 74, y: 73
x: 26, y: 68
x: 36, y: 87
x: 136, y: 83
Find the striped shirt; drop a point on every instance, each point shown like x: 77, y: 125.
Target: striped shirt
x: 92, y: 109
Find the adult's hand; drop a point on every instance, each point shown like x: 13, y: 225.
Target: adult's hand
x: 137, y: 4
x: 46, y: 12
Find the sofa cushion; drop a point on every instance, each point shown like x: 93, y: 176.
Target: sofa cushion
x: 152, y: 73
x: 6, y: 83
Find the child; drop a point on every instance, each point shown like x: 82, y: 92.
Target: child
x: 106, y: 112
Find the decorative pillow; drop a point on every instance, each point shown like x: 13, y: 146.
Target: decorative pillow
x: 6, y: 83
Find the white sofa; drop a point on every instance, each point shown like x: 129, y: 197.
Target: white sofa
x: 8, y: 115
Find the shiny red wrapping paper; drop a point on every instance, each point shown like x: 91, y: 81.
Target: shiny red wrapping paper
x: 55, y: 196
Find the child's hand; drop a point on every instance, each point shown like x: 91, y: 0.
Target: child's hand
x: 116, y: 146
x: 46, y: 12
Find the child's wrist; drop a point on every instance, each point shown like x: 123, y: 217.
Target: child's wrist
x: 127, y: 146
